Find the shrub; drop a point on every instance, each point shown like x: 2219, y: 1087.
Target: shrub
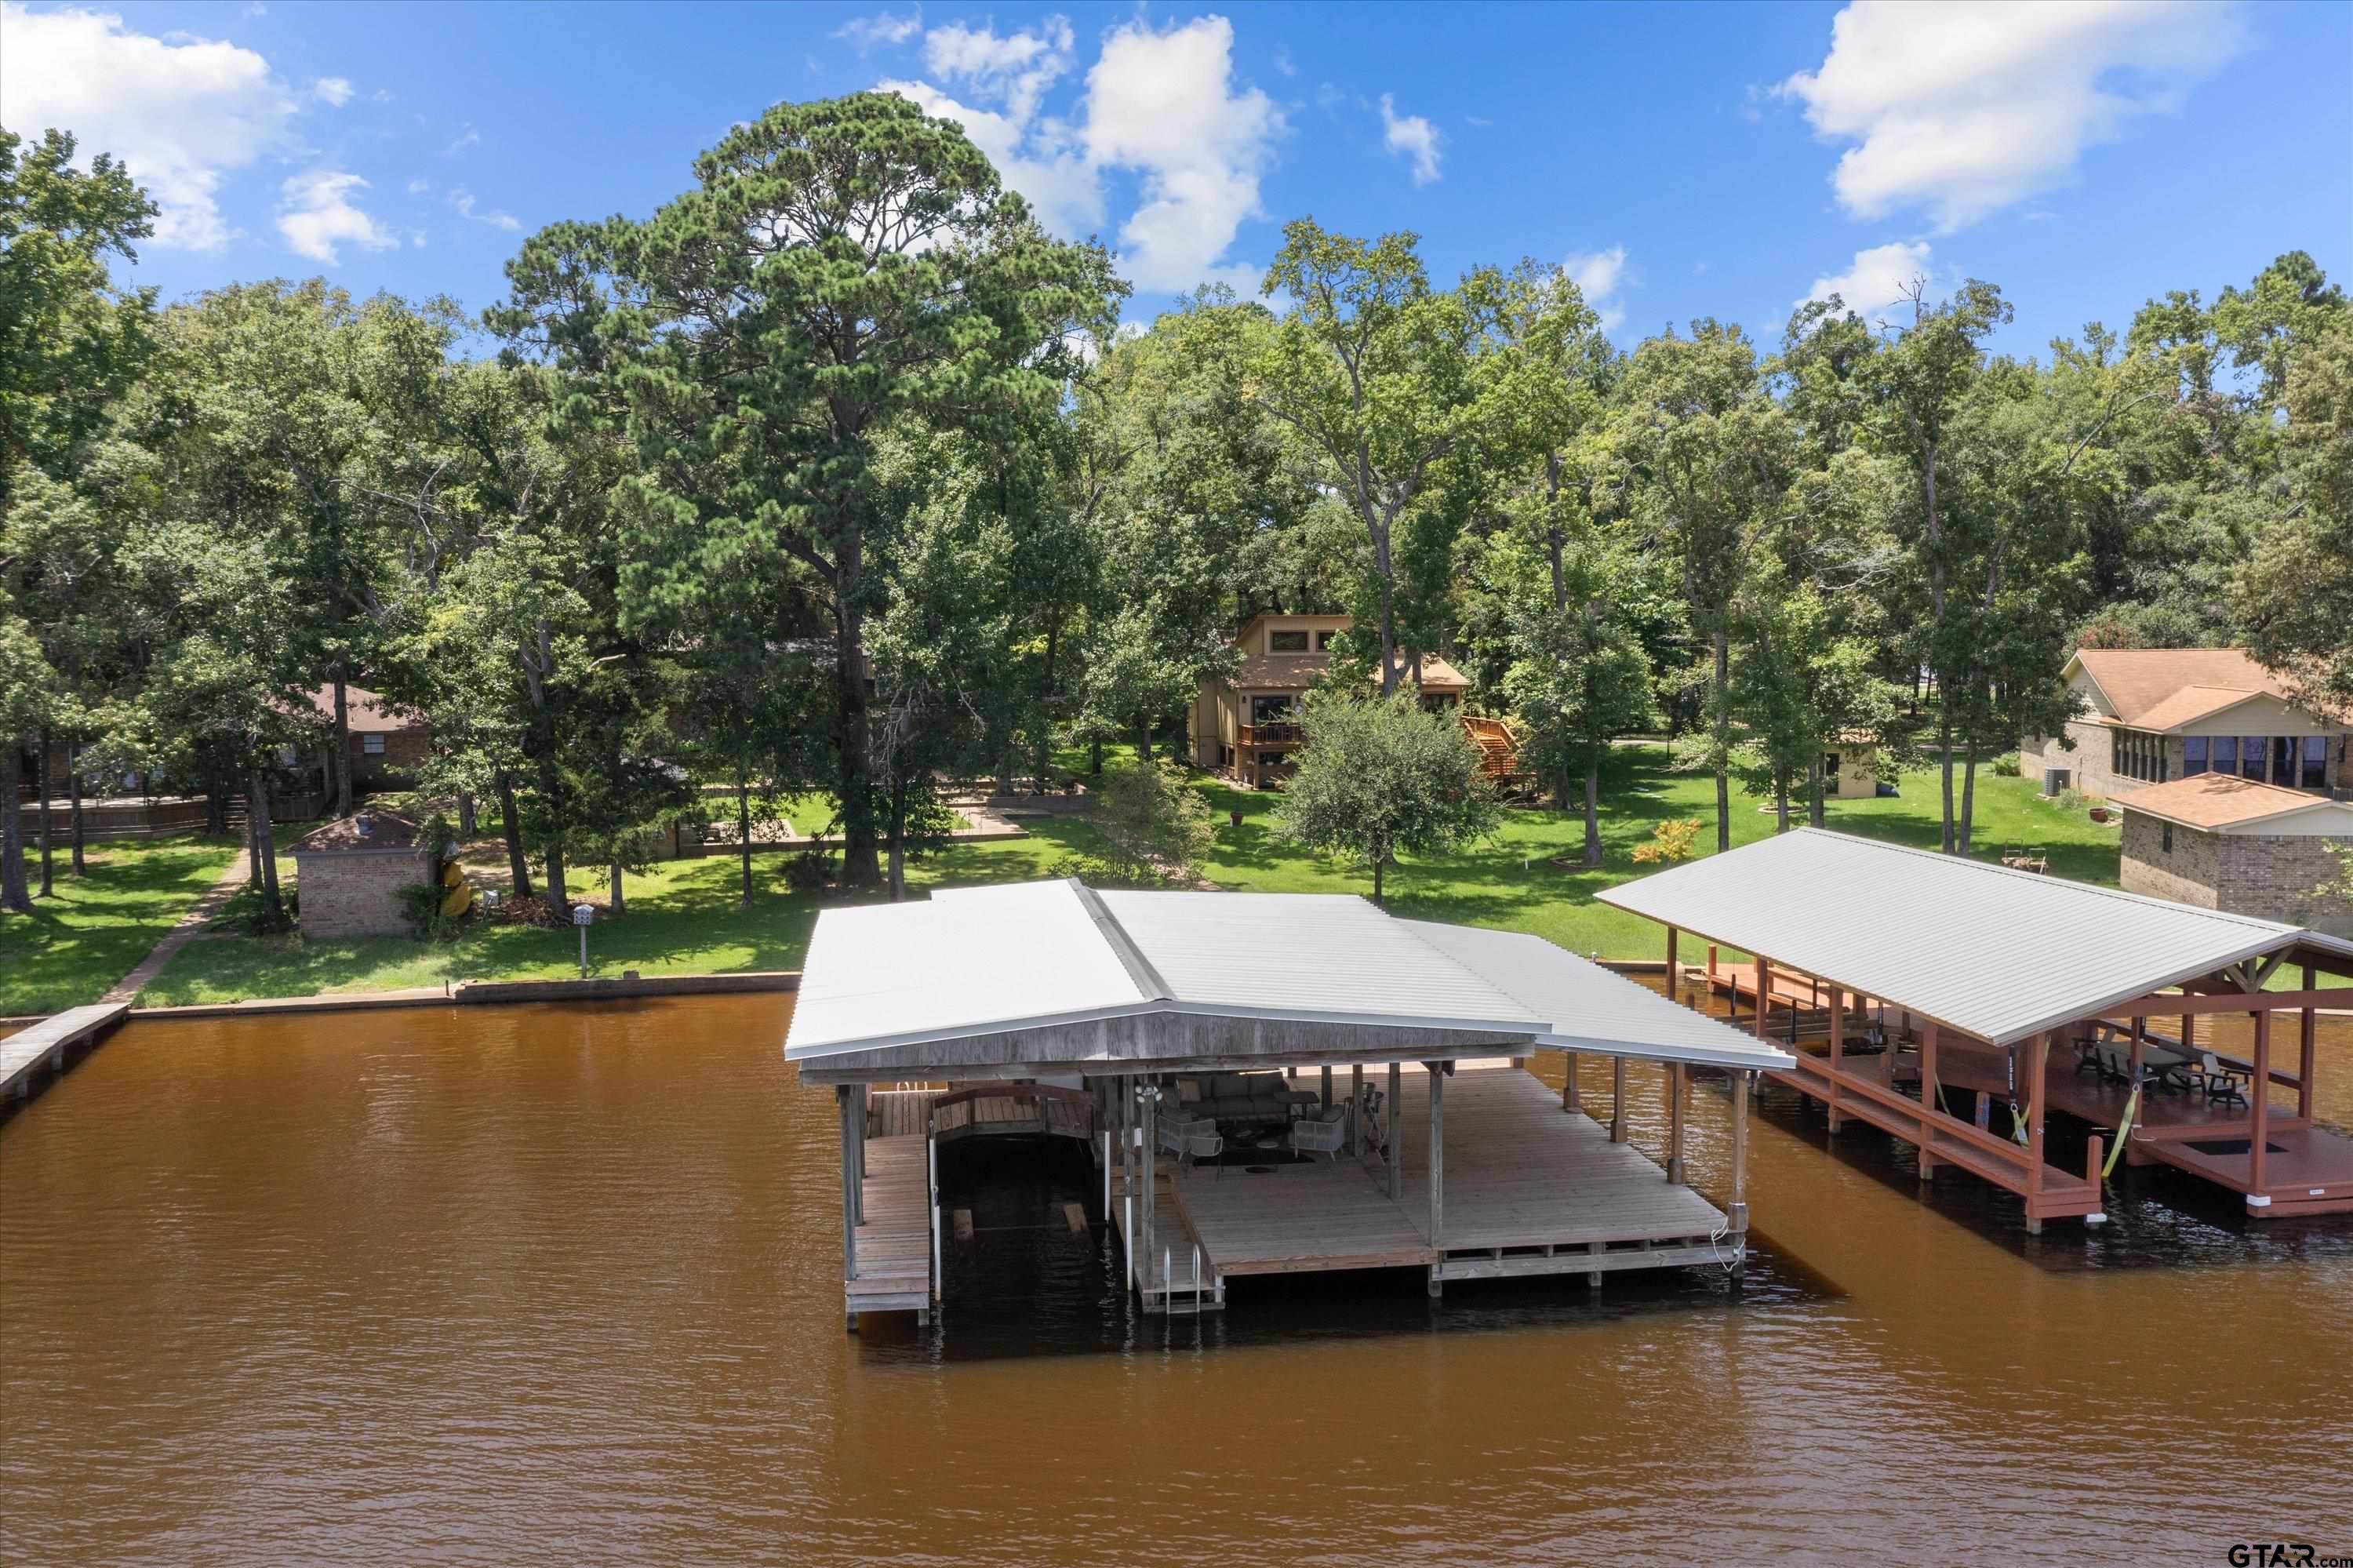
x: 421, y: 902
x: 1156, y: 825
x: 811, y: 871
x: 2006, y: 765
x: 1669, y: 841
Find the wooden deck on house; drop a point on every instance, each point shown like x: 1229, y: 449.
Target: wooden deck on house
x: 24, y: 1055
x: 1529, y: 1187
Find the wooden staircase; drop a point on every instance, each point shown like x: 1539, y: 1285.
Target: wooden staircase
x: 1499, y: 751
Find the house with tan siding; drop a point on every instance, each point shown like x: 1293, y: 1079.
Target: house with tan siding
x: 2152, y: 716
x: 2225, y: 842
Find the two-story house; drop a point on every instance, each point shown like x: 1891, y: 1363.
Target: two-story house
x: 1248, y: 725
x: 2156, y: 715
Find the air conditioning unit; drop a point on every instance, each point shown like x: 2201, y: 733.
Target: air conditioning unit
x: 2056, y: 780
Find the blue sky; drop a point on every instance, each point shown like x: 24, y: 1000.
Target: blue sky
x: 1686, y: 160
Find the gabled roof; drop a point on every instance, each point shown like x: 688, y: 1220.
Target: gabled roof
x: 2190, y: 704
x: 978, y: 979
x: 1992, y: 952
x: 364, y: 710
x: 1297, y: 671
x: 2135, y: 679
x: 2225, y: 801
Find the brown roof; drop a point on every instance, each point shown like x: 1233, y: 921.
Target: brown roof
x: 2136, y: 680
x: 1297, y: 671
x: 364, y: 710
x: 2218, y: 801
x: 2191, y: 704
x: 385, y: 830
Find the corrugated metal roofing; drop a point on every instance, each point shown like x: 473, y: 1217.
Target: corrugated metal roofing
x: 1996, y: 953
x: 1589, y: 1008
x: 988, y: 960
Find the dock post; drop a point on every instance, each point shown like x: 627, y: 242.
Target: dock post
x: 1738, y: 1220
x: 1673, y: 978
x: 1568, y: 1082
x: 2260, y: 1092
x: 1928, y: 1097
x: 1437, y: 1179
x: 1148, y: 1162
x: 1838, y: 1054
x: 1616, y: 1099
x: 2303, y: 1056
x: 2038, y: 1074
x: 1324, y: 1089
x: 857, y: 1144
x: 1393, y: 1142
x: 1675, y: 1123
x: 1356, y: 1109
x: 849, y: 1195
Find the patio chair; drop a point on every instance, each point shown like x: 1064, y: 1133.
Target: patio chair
x: 2220, y: 1082
x: 1192, y: 1141
x: 1326, y: 1132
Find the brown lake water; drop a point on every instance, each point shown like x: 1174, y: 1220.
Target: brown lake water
x: 562, y: 1285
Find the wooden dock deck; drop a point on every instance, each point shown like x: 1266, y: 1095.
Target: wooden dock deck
x: 1529, y: 1187
x: 24, y: 1055
x: 892, y: 1272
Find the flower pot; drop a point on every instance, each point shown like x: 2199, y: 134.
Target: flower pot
x: 1234, y: 817
x: 2099, y: 813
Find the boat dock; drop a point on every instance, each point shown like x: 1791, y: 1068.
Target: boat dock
x: 44, y: 1046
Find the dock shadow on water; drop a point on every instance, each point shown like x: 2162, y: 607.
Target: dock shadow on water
x: 562, y: 1285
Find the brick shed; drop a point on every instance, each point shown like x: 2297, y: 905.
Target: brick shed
x: 350, y: 874
x: 2239, y: 846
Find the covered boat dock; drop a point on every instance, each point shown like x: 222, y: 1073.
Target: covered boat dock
x: 1272, y: 1084
x: 2008, y: 992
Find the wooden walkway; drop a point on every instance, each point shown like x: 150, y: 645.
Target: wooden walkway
x: 894, y: 1271
x: 25, y: 1053
x: 1529, y: 1187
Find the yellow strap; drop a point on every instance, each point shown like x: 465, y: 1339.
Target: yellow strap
x: 2124, y: 1130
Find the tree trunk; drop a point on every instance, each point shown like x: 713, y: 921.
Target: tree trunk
x: 215, y: 800
x: 861, y: 865
x: 1094, y: 757
x: 744, y: 834
x: 1944, y: 758
x: 1380, y: 899
x: 1593, y: 811
x: 1816, y: 785
x: 264, y: 849
x: 518, y: 867
x: 73, y: 788
x: 1045, y: 704
x: 468, y: 828
x: 1721, y: 700
x: 48, y: 878
x: 549, y: 795
x: 558, y: 892
x: 1144, y: 739
x: 620, y: 904
x: 1968, y: 792
x: 1780, y: 805
x: 1389, y: 608
x: 343, y: 746
x: 898, y: 839
x: 12, y: 829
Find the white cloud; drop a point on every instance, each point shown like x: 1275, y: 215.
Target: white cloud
x: 1877, y: 280
x: 1159, y: 104
x: 1413, y: 136
x: 882, y: 28
x: 419, y: 185
x: 1966, y: 107
x: 1597, y: 274
x: 463, y: 200
x: 469, y: 137
x: 316, y: 214
x: 179, y: 112
x: 332, y: 90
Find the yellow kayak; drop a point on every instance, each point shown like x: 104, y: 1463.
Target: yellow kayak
x: 459, y: 899
x: 452, y: 874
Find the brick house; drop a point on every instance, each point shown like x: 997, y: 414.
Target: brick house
x: 387, y: 745
x: 350, y: 873
x: 2154, y: 715
x: 2237, y: 845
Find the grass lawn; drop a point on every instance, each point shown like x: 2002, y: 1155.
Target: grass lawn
x: 94, y: 929
x: 684, y: 917
x: 1509, y: 881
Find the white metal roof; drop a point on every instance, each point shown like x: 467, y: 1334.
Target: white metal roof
x: 1993, y: 952
x: 986, y: 960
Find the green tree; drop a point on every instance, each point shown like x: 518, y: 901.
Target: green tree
x: 2295, y: 594
x: 836, y: 266
x: 1380, y: 778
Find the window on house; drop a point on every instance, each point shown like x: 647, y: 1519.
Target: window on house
x: 1830, y: 765
x: 1286, y: 642
x: 1324, y: 641
x: 1273, y: 710
x: 2284, y: 759
x: 2167, y: 837
x: 2315, y: 762
x: 372, y: 745
x: 2193, y: 754
x: 1269, y: 760
x: 2226, y: 754
x: 2251, y: 756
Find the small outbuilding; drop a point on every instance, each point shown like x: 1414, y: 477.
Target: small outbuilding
x: 350, y: 874
x: 1850, y: 767
x: 2238, y: 846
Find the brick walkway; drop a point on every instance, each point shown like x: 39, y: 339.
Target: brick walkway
x: 180, y: 936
